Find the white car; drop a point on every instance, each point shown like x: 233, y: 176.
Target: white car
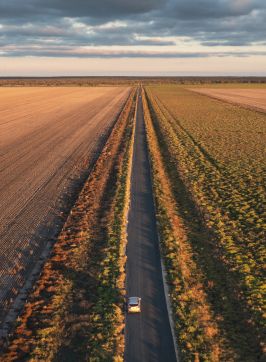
x: 134, y: 305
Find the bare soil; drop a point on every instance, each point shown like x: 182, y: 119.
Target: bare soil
x: 61, y: 319
x: 48, y: 139
x: 254, y: 98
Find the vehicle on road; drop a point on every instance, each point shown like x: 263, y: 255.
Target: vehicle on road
x: 134, y: 305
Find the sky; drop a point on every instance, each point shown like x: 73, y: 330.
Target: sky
x: 132, y: 37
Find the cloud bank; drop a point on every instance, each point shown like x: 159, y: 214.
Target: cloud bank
x: 126, y: 28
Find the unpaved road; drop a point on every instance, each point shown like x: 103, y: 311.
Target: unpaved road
x: 148, y: 334
x: 48, y: 139
x: 254, y: 98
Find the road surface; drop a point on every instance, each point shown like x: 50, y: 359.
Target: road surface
x: 148, y: 334
x: 48, y: 138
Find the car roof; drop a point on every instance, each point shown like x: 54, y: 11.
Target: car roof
x: 133, y: 299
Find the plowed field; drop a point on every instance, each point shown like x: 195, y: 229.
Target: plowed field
x: 48, y: 138
x: 254, y: 98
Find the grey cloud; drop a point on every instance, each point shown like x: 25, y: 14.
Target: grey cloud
x: 146, y: 22
x: 109, y: 9
x: 68, y: 51
x: 60, y: 35
x: 237, y: 30
x: 203, y: 9
x: 76, y: 8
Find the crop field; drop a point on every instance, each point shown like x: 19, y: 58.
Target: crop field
x: 50, y: 138
x: 75, y: 311
x: 212, y: 173
x: 69, y: 157
x: 254, y: 98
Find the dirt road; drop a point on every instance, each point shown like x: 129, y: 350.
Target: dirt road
x: 254, y: 98
x: 148, y: 334
x: 48, y: 140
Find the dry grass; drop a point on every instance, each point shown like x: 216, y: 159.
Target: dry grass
x: 228, y: 298
x: 195, y: 326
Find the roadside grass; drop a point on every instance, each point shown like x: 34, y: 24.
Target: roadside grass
x: 212, y: 323
x: 76, y: 311
x: 196, y: 331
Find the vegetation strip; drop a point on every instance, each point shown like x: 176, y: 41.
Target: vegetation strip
x: 228, y: 192
x: 76, y: 308
x: 193, y: 322
x: 212, y: 322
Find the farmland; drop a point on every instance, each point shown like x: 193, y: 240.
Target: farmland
x: 49, y: 140
x: 125, y: 182
x: 76, y: 305
x: 211, y: 203
x: 254, y: 98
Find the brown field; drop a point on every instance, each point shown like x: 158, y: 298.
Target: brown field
x: 86, y: 258
x: 49, y: 139
x: 254, y: 98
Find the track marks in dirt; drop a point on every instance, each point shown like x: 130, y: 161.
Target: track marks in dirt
x: 49, y: 138
x: 253, y: 98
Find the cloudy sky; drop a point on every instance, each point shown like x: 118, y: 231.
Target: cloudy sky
x: 90, y: 37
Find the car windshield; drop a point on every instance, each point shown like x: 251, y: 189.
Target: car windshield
x: 134, y: 304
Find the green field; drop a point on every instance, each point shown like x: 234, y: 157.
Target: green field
x: 214, y: 158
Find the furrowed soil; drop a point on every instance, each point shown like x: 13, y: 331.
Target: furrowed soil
x: 75, y: 311
x: 253, y: 98
x: 50, y: 139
